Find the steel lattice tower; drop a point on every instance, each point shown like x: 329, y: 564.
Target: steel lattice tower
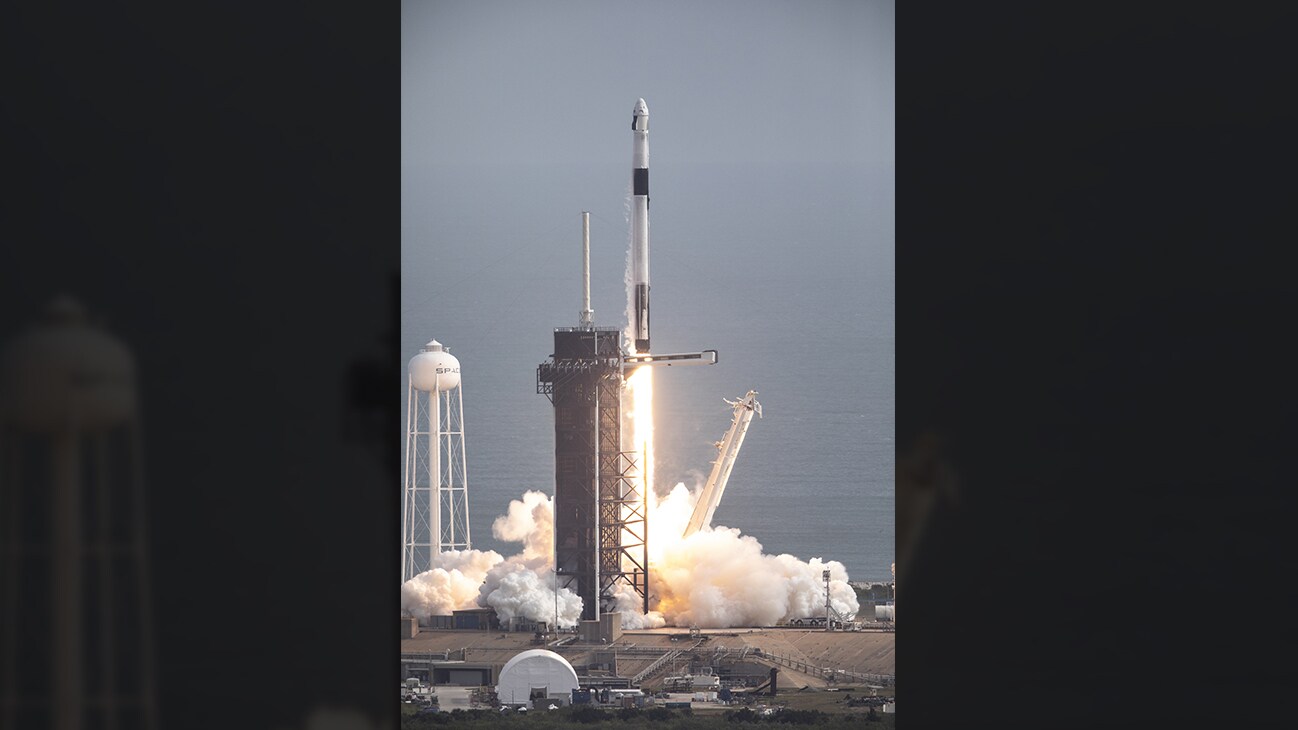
x: 435, y: 506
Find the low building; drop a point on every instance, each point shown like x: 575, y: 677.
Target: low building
x: 438, y: 622
x: 606, y: 630
x: 477, y: 619
x: 536, y: 675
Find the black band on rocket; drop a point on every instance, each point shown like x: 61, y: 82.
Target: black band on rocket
x: 642, y: 317
x: 640, y: 185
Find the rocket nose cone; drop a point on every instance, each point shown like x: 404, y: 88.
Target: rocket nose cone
x: 641, y: 109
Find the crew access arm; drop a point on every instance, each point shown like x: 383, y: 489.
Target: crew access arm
x: 729, y: 445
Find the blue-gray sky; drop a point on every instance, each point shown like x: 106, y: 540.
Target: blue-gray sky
x: 508, y: 82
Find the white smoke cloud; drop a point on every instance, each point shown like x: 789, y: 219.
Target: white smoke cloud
x: 669, y: 516
x: 523, y: 585
x: 514, y: 589
x: 628, y: 602
x: 450, y: 585
x: 531, y: 522
x: 718, y: 577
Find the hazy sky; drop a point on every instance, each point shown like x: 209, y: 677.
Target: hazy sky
x: 508, y: 82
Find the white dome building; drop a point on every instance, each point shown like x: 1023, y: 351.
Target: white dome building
x: 536, y: 673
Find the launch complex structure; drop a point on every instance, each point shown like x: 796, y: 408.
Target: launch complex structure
x: 601, y: 525
x: 601, y: 486
x: 600, y: 515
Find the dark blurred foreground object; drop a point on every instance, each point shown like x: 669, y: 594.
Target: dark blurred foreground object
x: 74, y: 597
x: 925, y: 481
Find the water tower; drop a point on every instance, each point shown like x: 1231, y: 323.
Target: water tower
x: 76, y: 649
x: 435, y: 483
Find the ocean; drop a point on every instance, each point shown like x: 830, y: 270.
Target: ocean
x: 786, y: 271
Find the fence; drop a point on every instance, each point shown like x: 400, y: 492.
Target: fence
x: 830, y: 673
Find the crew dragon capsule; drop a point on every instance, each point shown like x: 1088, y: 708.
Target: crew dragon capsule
x: 640, y: 222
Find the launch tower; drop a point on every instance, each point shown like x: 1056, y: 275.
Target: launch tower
x: 600, y: 525
x: 599, y: 506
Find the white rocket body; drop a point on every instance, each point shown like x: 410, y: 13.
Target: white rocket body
x: 640, y: 222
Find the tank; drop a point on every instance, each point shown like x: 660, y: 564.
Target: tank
x: 434, y: 368
x: 885, y: 613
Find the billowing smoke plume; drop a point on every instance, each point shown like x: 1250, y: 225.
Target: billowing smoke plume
x: 718, y: 577
x: 531, y: 522
x: 523, y: 585
x: 628, y: 602
x: 514, y: 589
x: 450, y: 585
x: 519, y: 586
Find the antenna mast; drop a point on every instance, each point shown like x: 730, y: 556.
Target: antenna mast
x: 587, y: 316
